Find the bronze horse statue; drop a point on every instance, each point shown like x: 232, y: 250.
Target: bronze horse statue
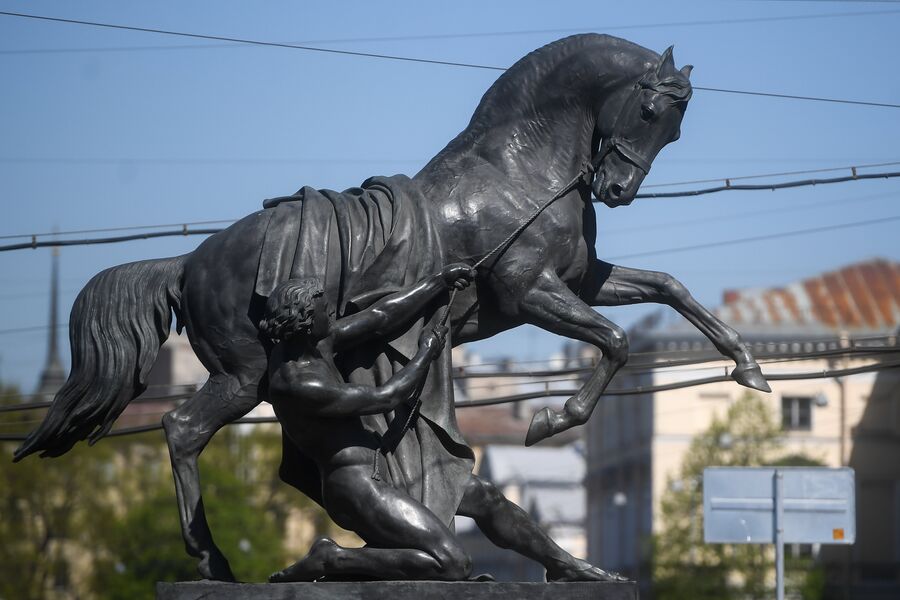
x: 590, y: 109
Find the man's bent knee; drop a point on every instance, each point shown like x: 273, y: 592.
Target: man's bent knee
x: 454, y: 563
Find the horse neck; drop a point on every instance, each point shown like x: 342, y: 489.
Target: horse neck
x: 540, y: 130
x: 541, y: 143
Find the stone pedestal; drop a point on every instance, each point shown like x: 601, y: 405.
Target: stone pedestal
x: 396, y: 590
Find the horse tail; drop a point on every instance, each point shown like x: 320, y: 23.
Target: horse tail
x: 118, y: 323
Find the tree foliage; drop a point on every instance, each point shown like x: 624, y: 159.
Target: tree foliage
x: 687, y: 568
x: 102, y: 521
x: 143, y: 545
x: 50, y: 509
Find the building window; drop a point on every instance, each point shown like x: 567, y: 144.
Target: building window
x: 796, y: 413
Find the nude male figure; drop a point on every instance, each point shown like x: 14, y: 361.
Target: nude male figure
x: 320, y: 412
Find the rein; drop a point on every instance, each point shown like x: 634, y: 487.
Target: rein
x: 416, y: 398
x: 613, y: 143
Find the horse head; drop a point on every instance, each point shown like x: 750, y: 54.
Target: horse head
x: 649, y: 117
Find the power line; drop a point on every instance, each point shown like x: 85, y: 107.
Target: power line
x: 851, y: 168
x: 186, y: 231
x: 24, y: 406
x: 781, y: 209
x: 823, y: 374
x: 539, y: 377
x: 728, y: 187
x: 30, y: 328
x: 34, y: 244
x: 11, y: 236
x: 677, y: 385
x: 112, y: 240
x: 201, y: 161
x: 794, y: 97
x: 655, y: 365
x: 469, y: 35
x: 220, y: 38
x: 393, y: 57
x: 758, y: 238
x: 108, y: 229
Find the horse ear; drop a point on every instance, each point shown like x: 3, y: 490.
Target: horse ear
x: 666, y: 61
x: 686, y: 70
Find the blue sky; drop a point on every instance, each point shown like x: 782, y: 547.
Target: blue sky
x: 117, y: 128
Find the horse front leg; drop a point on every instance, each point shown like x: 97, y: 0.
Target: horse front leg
x: 552, y: 306
x: 612, y: 285
x: 189, y: 428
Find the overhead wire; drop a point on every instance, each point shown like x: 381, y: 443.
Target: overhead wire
x: 467, y: 35
x: 729, y: 187
x: 651, y: 389
x: 34, y: 243
x: 109, y: 229
x: 395, y: 57
x: 780, y: 209
x: 535, y: 377
x: 759, y: 238
x: 825, y: 373
x: 851, y: 168
x: 185, y: 226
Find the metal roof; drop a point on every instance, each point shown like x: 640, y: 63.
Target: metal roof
x: 859, y: 297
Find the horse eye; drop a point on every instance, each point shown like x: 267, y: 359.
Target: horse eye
x: 647, y: 112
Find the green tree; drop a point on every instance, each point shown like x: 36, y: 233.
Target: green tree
x: 49, y: 511
x: 684, y: 567
x: 102, y: 521
x: 246, y: 504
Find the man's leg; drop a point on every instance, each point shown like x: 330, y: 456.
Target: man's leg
x: 508, y: 526
x: 404, y: 539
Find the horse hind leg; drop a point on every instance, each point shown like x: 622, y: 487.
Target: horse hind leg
x: 189, y: 428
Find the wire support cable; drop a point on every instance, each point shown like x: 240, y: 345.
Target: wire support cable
x: 654, y: 366
x: 184, y: 228
x: 871, y: 347
x: 46, y: 403
x: 34, y: 243
x: 745, y: 187
x: 185, y: 231
x: 651, y: 389
x: 852, y: 168
x: 395, y: 57
x: 467, y: 35
x: 823, y: 374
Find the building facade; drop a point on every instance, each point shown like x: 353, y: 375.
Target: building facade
x: 636, y: 443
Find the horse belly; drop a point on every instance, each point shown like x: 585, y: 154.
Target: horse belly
x: 218, y: 307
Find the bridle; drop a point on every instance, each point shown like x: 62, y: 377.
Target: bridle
x: 613, y: 143
x: 619, y: 145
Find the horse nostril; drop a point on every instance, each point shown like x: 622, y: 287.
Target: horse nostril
x: 616, y: 190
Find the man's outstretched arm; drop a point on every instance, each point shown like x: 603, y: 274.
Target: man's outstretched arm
x: 392, y: 314
x: 322, y: 398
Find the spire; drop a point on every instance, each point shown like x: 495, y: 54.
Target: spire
x: 54, y: 375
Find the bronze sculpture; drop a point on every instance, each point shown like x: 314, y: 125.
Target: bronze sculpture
x: 584, y: 115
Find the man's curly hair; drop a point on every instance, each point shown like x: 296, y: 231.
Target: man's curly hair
x: 289, y: 309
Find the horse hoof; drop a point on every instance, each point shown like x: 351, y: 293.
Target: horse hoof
x: 215, y: 567
x: 751, y: 377
x: 540, y: 427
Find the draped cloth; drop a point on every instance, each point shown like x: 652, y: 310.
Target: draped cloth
x: 362, y: 244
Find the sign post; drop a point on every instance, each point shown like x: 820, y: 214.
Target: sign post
x: 779, y: 505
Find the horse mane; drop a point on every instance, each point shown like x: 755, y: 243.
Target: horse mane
x: 517, y: 86
x: 515, y: 92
